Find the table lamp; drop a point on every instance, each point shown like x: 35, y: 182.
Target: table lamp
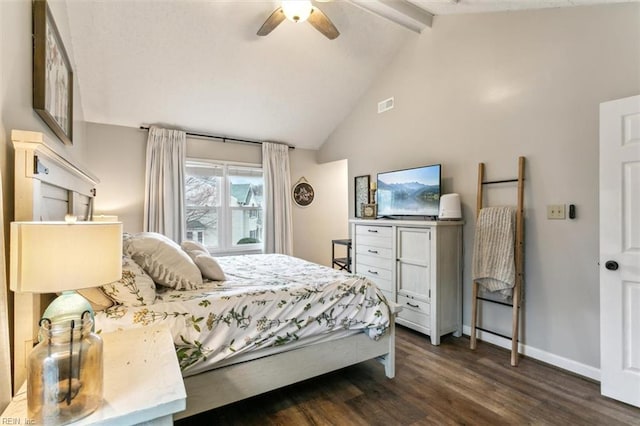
x: 64, y: 371
x: 105, y: 218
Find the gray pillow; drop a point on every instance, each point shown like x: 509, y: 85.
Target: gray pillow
x: 209, y: 267
x: 163, y: 260
x: 189, y: 246
x: 207, y: 264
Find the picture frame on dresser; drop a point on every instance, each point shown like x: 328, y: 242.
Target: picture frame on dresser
x: 361, y: 193
x: 52, y: 74
x: 369, y: 211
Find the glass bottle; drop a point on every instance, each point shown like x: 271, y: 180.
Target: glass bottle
x: 64, y: 372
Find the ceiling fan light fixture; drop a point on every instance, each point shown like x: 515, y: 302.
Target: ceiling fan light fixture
x: 297, y: 10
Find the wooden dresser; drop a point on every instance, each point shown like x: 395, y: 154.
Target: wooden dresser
x: 417, y: 264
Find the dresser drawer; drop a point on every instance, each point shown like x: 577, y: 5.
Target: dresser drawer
x: 387, y: 294
x: 378, y: 231
x: 374, y: 262
x: 373, y: 272
x: 376, y: 241
x: 413, y: 305
x: 419, y: 316
x: 373, y: 251
x: 383, y: 284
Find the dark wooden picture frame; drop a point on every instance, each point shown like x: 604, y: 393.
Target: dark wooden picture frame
x: 303, y: 193
x: 370, y: 211
x: 52, y: 74
x: 361, y: 193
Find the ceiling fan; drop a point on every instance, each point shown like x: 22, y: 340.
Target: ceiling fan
x: 300, y: 11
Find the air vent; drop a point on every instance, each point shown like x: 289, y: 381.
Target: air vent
x: 385, y: 105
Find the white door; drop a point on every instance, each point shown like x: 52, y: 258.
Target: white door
x: 620, y: 249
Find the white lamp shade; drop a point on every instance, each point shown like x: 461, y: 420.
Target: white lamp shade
x: 105, y: 218
x: 48, y: 257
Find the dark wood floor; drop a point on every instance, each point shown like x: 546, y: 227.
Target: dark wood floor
x: 434, y: 385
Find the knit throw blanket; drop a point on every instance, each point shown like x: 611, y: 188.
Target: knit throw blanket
x: 493, y: 250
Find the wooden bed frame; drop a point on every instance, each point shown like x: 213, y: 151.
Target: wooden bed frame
x: 49, y: 184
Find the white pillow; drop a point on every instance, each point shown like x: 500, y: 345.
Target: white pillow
x: 208, y: 265
x: 189, y: 245
x: 163, y: 260
x: 96, y: 297
x: 135, y: 288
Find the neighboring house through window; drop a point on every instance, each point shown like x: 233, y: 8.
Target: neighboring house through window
x: 224, y: 206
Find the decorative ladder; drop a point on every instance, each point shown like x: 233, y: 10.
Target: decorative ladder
x: 516, y: 299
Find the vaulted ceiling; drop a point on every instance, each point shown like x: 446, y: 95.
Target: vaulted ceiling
x: 199, y: 65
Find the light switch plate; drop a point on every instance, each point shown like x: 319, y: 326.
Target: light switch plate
x: 556, y: 211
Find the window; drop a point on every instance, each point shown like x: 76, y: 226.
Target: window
x: 224, y: 206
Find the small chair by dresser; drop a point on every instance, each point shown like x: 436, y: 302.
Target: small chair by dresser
x: 343, y: 263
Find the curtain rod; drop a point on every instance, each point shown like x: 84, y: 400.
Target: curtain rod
x: 224, y: 139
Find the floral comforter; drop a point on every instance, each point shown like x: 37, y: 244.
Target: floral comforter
x: 267, y: 300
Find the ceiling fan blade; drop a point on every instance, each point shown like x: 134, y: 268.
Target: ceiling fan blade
x: 272, y: 22
x: 323, y: 24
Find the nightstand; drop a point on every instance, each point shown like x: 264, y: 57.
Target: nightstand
x: 142, y: 381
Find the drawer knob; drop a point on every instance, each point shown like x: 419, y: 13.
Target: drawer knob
x: 413, y: 306
x: 373, y: 251
x: 372, y: 230
x: 373, y: 272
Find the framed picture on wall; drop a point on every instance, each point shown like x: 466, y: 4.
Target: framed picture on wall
x: 361, y: 191
x: 303, y: 193
x: 52, y: 74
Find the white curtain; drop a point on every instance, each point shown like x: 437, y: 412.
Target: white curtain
x: 278, y: 237
x: 164, y: 183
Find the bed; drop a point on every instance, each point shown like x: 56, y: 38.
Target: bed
x: 316, y: 334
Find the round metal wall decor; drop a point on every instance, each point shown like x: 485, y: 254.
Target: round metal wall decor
x: 303, y: 193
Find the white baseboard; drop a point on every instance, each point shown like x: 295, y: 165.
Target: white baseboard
x: 535, y: 353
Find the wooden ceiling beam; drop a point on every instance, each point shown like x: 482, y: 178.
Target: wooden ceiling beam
x: 401, y: 12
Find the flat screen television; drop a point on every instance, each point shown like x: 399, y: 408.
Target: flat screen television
x: 409, y: 192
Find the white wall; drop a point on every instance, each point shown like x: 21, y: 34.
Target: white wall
x: 326, y: 218
x: 489, y: 88
x: 116, y: 155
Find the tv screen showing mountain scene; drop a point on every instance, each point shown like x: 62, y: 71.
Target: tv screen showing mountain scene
x: 409, y: 192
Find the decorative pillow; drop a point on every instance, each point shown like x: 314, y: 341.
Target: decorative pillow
x: 193, y: 245
x: 96, y: 297
x: 208, y: 265
x: 135, y: 288
x: 125, y: 240
x: 163, y: 260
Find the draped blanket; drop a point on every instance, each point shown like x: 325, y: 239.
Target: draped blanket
x: 493, y: 250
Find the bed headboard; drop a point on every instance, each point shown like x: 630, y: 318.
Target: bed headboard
x: 48, y: 185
